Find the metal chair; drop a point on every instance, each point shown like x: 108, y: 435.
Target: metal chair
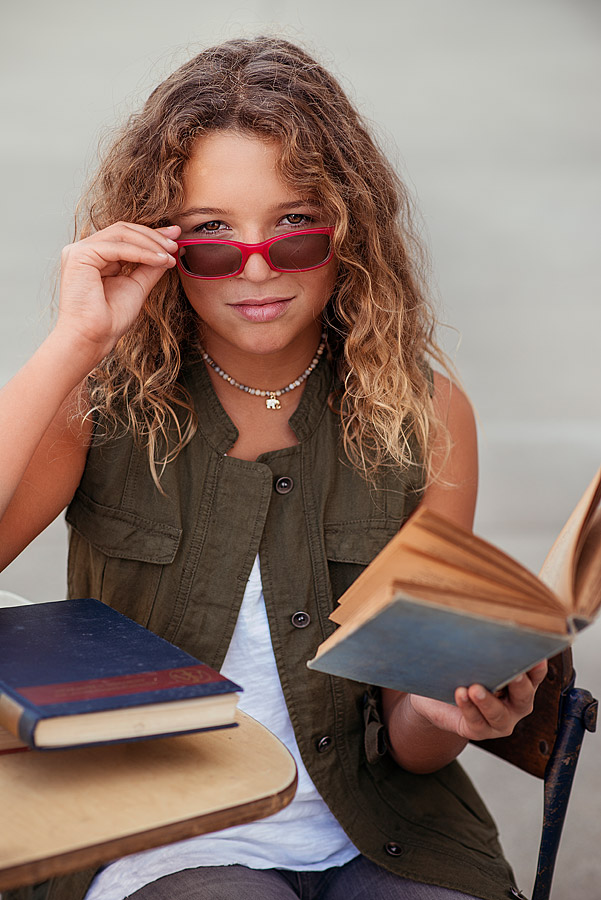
x: 547, y: 744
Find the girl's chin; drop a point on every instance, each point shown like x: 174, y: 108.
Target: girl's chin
x: 255, y: 340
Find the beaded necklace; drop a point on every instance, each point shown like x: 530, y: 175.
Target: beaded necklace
x: 271, y: 401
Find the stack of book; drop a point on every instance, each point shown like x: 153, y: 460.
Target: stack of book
x: 77, y: 673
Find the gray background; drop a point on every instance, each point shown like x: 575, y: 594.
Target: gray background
x: 490, y: 110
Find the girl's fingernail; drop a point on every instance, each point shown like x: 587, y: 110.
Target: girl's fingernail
x: 480, y: 693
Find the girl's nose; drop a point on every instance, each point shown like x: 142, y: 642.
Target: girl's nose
x: 257, y: 269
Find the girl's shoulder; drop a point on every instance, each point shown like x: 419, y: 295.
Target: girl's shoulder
x: 453, y: 483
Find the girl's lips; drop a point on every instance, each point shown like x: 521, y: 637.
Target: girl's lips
x: 262, y: 310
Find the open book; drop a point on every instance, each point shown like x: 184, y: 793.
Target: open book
x: 439, y: 607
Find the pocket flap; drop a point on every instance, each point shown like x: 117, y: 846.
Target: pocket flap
x: 122, y: 534
x: 357, y: 542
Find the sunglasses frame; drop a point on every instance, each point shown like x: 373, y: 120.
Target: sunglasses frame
x: 248, y: 249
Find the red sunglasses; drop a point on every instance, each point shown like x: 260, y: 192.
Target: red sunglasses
x: 298, y: 251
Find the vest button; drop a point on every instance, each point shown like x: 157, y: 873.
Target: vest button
x: 284, y: 484
x: 324, y: 743
x: 300, y: 619
x: 393, y: 849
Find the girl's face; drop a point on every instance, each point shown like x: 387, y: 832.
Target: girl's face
x: 234, y: 192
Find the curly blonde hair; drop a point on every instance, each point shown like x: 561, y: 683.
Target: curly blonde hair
x: 380, y: 322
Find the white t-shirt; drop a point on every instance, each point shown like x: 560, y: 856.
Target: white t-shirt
x: 304, y: 836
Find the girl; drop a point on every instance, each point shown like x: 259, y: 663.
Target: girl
x: 237, y: 407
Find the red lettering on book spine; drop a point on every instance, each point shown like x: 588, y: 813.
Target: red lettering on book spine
x: 138, y: 683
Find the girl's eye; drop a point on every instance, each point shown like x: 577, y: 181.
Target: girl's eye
x: 213, y: 227
x: 296, y: 219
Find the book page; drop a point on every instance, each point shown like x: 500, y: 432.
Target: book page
x: 9, y: 743
x: 420, y: 569
x: 559, y: 568
x: 588, y: 571
x: 455, y: 547
x: 447, y: 561
x: 452, y: 543
x: 478, y: 606
x: 430, y: 570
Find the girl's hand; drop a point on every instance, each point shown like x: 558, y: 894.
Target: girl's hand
x: 98, y: 302
x: 480, y: 715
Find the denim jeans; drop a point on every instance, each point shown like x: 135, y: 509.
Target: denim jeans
x: 359, y: 879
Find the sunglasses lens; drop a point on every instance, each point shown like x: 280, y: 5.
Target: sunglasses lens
x: 210, y: 260
x: 300, y: 251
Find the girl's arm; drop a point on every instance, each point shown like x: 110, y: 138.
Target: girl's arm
x: 426, y: 734
x: 42, y: 449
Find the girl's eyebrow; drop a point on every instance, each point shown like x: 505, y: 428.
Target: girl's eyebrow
x: 291, y: 204
x: 201, y: 211
x: 215, y: 211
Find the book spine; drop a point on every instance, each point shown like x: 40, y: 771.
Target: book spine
x: 28, y: 723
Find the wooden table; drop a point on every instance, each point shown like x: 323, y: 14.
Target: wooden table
x: 68, y: 809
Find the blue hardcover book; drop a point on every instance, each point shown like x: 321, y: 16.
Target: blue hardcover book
x: 76, y: 672
x: 440, y: 608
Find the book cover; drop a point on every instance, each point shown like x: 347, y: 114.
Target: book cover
x: 423, y: 648
x: 77, y: 672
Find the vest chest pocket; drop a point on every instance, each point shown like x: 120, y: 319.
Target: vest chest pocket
x: 117, y: 556
x: 350, y: 547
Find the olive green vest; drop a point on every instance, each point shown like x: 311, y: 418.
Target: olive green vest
x: 179, y: 564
